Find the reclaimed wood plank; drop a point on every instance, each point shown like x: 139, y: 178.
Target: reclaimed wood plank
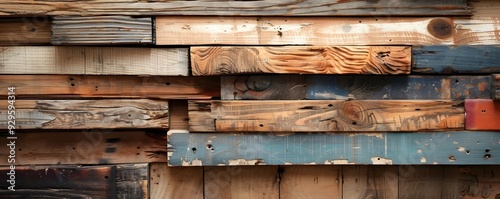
x: 132, y: 181
x: 241, y: 182
x: 86, y: 114
x: 271, y: 87
x: 496, y: 86
x: 481, y: 114
x: 326, y: 31
x: 25, y: 31
x: 176, y: 182
x: 86, y: 147
x: 301, y: 60
x: 456, y: 59
x: 326, y: 115
x: 311, y: 182
x: 222, y: 7
x: 370, y: 181
x: 57, y: 181
x: 101, y: 30
x: 438, y: 181
x: 93, y: 60
x: 92, y: 86
x: 448, y: 148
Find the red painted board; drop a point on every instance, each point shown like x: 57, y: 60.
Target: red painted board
x: 482, y: 114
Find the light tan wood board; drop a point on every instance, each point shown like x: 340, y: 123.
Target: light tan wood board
x: 370, y: 181
x: 311, y: 182
x: 176, y: 182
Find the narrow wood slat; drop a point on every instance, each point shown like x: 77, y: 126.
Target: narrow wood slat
x: 93, y: 60
x: 311, y: 182
x: 370, y: 181
x: 496, y: 86
x: 25, y: 31
x: 86, y: 114
x: 91, y: 86
x: 482, y: 115
x: 327, y: 31
x: 453, y: 59
x: 301, y: 60
x: 427, y: 148
x: 132, y: 181
x: 176, y: 182
x: 222, y: 7
x: 326, y: 115
x: 101, y: 30
x: 320, y: 87
x: 86, y: 147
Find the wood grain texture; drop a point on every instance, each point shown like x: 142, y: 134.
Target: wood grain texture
x: 93, y: 60
x: 456, y: 59
x: 176, y: 182
x: 366, y: 148
x: 482, y: 114
x: 326, y: 31
x: 241, y: 182
x: 97, y: 146
x: 301, y: 60
x: 437, y: 181
x: 260, y: 87
x: 370, y: 182
x: 496, y: 86
x: 25, y: 31
x: 223, y: 7
x: 101, y: 30
x: 326, y: 115
x: 87, y: 114
x: 311, y: 182
x: 179, y: 118
x: 57, y: 181
x: 91, y: 86
x: 132, y: 181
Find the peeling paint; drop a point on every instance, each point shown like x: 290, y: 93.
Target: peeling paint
x: 461, y: 149
x: 288, y: 163
x: 246, y: 162
x: 195, y: 162
x: 423, y: 160
x: 455, y: 142
x: 381, y: 160
x: 378, y: 135
x: 341, y: 162
x: 419, y: 151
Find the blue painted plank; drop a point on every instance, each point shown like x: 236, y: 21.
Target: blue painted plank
x: 448, y: 148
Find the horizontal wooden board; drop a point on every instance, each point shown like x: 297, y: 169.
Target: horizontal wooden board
x: 326, y: 31
x: 482, y: 115
x: 93, y: 60
x: 96, y: 146
x: 496, y: 86
x: 85, y: 114
x: 326, y: 115
x: 301, y: 60
x: 92, y: 86
x: 456, y: 59
x: 222, y: 7
x: 25, y: 31
x: 132, y: 181
x: 101, y: 30
x: 217, y: 149
x: 326, y: 87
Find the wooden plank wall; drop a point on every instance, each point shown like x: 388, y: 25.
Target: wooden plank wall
x: 250, y: 99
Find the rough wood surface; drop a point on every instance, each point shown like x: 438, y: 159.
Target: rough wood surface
x: 93, y: 60
x: 437, y: 181
x: 370, y: 182
x: 101, y: 30
x: 496, y: 86
x: 326, y: 115
x: 87, y: 114
x: 87, y: 147
x: 223, y: 7
x: 371, y: 148
x: 56, y: 181
x: 25, y: 31
x: 179, y: 118
x: 241, y: 182
x: 327, y: 31
x: 311, y: 182
x: 132, y: 181
x: 301, y: 60
x: 322, y: 87
x: 176, y: 182
x: 89, y: 86
x: 452, y: 60
x: 482, y: 114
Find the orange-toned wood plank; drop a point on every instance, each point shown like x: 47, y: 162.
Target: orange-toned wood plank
x: 482, y: 114
x: 25, y: 31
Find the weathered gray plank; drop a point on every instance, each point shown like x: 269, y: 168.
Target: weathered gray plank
x: 450, y: 148
x: 132, y: 181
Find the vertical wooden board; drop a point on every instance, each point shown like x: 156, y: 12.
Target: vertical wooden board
x: 460, y: 59
x: 25, y: 31
x: 56, y: 181
x: 496, y: 86
x: 175, y: 182
x: 200, y: 118
x: 301, y: 60
x: 179, y: 118
x: 260, y: 87
x: 370, y: 181
x: 311, y: 182
x: 132, y: 181
x: 482, y: 114
x: 243, y: 182
x: 429, y: 182
x: 480, y: 182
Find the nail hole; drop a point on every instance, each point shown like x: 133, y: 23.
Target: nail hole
x: 417, y: 109
x: 456, y: 81
x: 487, y: 156
x: 209, y: 146
x: 74, y: 148
x: 138, y: 153
x: 138, y: 147
x: 106, y: 177
x: 261, y: 125
x: 359, y: 21
x: 193, y: 149
x: 487, y: 150
x: 33, y: 29
x: 330, y: 105
x: 467, y: 151
x: 71, y: 79
x: 484, y: 111
x: 129, y: 115
x: 72, y: 84
x: 354, y: 123
x: 20, y: 149
x: 452, y: 158
x: 168, y: 83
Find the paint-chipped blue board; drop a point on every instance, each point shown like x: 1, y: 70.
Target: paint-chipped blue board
x: 447, y: 148
x: 456, y: 59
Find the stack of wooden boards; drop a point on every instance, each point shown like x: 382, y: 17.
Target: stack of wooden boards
x: 268, y: 83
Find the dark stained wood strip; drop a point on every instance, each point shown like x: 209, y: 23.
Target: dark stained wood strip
x: 326, y: 115
x: 132, y: 181
x: 25, y: 31
x: 496, y: 86
x: 482, y: 114
x: 301, y: 60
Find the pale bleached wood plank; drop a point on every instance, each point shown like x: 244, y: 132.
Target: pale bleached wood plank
x: 176, y: 182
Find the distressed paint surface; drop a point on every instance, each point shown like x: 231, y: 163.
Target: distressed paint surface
x: 451, y: 148
x: 496, y: 87
x: 482, y: 115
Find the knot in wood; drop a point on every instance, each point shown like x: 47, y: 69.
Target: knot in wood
x: 258, y: 83
x: 355, y: 112
x: 441, y: 28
